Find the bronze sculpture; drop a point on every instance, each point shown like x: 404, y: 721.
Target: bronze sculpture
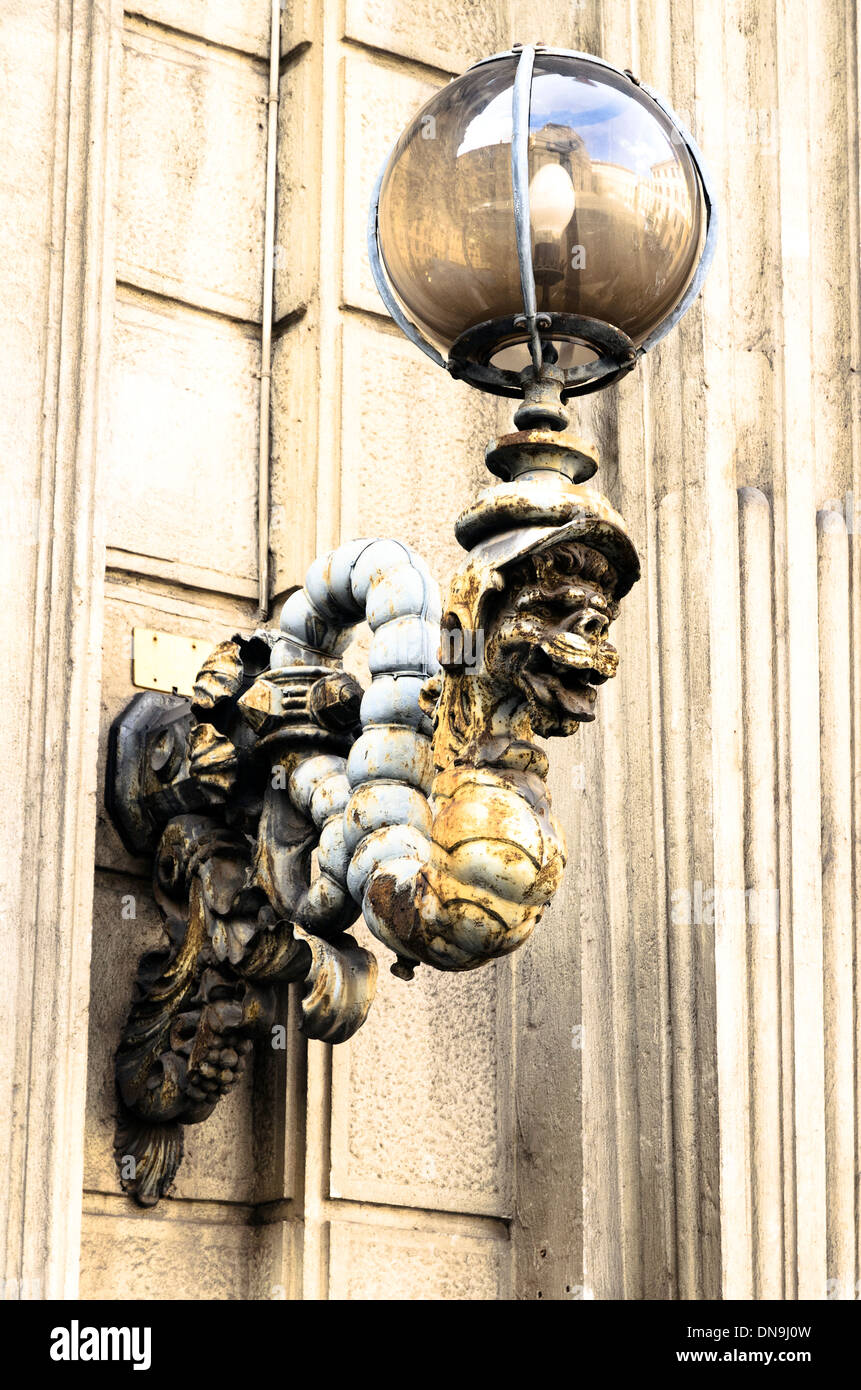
x: 423, y: 797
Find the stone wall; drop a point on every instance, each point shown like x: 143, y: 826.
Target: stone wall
x: 180, y: 503
x: 650, y: 1100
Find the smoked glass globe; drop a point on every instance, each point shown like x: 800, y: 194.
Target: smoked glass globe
x: 617, y: 211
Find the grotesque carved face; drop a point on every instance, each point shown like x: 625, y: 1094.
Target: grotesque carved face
x: 548, y: 637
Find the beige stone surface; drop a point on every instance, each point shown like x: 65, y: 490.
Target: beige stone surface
x: 276, y: 1263
x: 835, y: 715
x: 182, y: 472
x: 549, y: 1041
x: 300, y: 23
x: 447, y: 36
x: 419, y: 440
x: 297, y: 240
x: 390, y: 1264
x: 191, y: 186
x: 295, y: 463
x: 421, y: 1103
x: 241, y: 24
x: 378, y: 102
x: 582, y: 25
x: 150, y: 1256
x: 56, y: 65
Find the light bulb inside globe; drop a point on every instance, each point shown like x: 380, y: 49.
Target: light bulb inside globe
x: 560, y: 216
x: 551, y: 202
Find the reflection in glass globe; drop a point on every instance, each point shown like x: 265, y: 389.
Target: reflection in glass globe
x: 616, y: 206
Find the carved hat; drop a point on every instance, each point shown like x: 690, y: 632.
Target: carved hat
x: 512, y: 520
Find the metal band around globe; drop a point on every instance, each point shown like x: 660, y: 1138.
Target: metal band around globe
x: 375, y: 256
x: 469, y: 359
x: 521, y: 94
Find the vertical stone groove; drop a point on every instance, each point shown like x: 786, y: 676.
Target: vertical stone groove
x: 761, y: 880
x: 837, y: 901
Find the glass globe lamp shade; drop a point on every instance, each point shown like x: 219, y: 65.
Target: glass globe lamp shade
x: 594, y: 255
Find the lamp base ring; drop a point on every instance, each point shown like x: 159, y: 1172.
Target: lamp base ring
x: 470, y: 356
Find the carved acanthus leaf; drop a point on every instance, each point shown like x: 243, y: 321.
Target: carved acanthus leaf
x: 220, y: 676
x: 342, y: 980
x: 212, y: 758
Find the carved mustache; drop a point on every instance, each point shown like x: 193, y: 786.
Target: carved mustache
x: 573, y: 651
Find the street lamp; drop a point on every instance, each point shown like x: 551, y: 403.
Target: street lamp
x: 539, y: 225
x: 545, y: 215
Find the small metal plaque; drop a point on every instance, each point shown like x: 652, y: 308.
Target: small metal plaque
x: 162, y: 661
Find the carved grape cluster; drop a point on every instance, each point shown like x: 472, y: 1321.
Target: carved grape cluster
x: 223, y: 1065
